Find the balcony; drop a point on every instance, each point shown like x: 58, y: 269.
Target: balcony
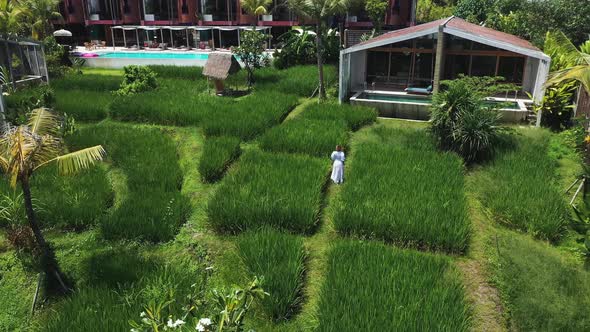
x: 103, y: 12
x: 219, y: 12
x: 279, y: 15
x: 160, y: 11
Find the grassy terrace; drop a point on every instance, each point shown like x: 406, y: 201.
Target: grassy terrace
x: 201, y: 192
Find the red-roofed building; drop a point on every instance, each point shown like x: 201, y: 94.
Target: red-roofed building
x: 422, y: 56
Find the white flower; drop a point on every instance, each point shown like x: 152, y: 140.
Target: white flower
x: 205, y: 321
x: 142, y: 314
x: 134, y: 330
x: 200, y: 328
x: 145, y: 320
x: 175, y: 324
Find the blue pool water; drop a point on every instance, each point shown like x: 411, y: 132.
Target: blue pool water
x: 155, y: 55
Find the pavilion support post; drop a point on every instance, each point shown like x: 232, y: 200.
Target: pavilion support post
x: 161, y: 35
x: 171, y: 39
x: 113, y: 37
x: 440, y: 60
x: 124, y: 39
x: 188, y: 46
x: 219, y: 37
x: 239, y: 37
x: 137, y: 38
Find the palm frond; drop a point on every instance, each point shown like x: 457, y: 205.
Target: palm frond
x: 3, y: 164
x: 42, y: 121
x: 580, y: 73
x: 73, y: 162
x: 557, y: 42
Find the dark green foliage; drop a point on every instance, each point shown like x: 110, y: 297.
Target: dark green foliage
x: 218, y: 154
x: 250, y: 117
x: 461, y: 121
x: 543, y: 291
x: 355, y: 116
x: 153, y: 208
x: 295, y: 48
x: 299, y: 80
x: 520, y: 189
x: 373, y: 287
x: 137, y: 79
x: 83, y: 105
x: 279, y: 190
x: 107, y: 307
x: 402, y: 190
x: 557, y: 106
x: 177, y: 72
x: 279, y: 260
x: 376, y: 10
x: 312, y: 137
x: 475, y: 11
x: 251, y: 52
x: 56, y: 58
x: 88, y: 82
x: 22, y: 101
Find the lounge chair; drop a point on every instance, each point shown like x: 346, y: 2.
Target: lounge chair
x: 419, y: 91
x: 163, y: 46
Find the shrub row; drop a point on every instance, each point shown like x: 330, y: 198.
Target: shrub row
x: 406, y: 193
x: 373, y: 287
x: 218, y: 154
x: 153, y: 208
x: 520, y: 188
x: 279, y: 260
x: 279, y: 190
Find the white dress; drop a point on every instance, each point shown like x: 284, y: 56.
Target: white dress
x: 337, y: 166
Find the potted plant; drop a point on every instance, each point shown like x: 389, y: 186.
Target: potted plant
x: 209, y: 8
x: 94, y: 17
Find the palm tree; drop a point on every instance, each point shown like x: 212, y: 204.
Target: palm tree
x: 10, y: 13
x: 25, y: 149
x: 319, y: 11
x: 576, y: 62
x: 255, y: 7
x: 40, y: 14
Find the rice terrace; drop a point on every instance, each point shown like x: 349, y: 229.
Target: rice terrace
x: 294, y: 165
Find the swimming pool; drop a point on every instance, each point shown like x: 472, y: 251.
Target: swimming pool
x: 154, y: 55
x: 508, y: 105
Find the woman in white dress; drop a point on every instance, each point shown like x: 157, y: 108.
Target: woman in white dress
x: 338, y: 165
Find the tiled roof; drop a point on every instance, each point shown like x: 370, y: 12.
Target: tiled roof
x: 454, y: 23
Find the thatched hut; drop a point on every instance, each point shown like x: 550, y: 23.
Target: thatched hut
x: 219, y: 66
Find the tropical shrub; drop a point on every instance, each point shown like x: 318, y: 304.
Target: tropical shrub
x: 279, y: 190
x: 21, y: 102
x: 312, y: 137
x: 462, y: 122
x: 401, y: 190
x: 137, y: 79
x: 423, y: 292
x: 278, y: 259
x: 557, y: 108
x: 295, y: 48
x: 519, y: 187
x: 218, y: 154
x: 251, y: 52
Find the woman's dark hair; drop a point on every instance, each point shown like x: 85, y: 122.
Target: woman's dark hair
x: 338, y: 148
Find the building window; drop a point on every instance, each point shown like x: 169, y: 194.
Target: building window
x: 401, y: 65
x: 456, y: 65
x: 377, y: 66
x: 423, y: 69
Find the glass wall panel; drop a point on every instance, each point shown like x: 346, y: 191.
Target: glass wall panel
x: 401, y: 64
x: 456, y: 65
x: 377, y: 66
x: 423, y: 69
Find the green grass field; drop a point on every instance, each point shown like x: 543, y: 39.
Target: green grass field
x: 400, y: 189
x: 373, y: 287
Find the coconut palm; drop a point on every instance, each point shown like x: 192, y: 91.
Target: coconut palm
x: 10, y: 13
x: 40, y: 14
x: 319, y: 11
x: 255, y: 7
x: 577, y: 62
x: 27, y: 148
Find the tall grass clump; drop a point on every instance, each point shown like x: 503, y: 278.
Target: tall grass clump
x: 373, y: 287
x: 542, y: 289
x: 178, y: 72
x: 520, y: 188
x: 250, y: 116
x: 313, y: 137
x: 218, y: 154
x: 279, y: 190
x: 355, y: 116
x: 404, y: 191
x: 279, y: 260
x: 152, y: 207
x: 298, y: 80
x: 83, y: 105
x: 87, y: 82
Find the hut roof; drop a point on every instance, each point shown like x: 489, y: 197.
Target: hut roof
x: 219, y: 65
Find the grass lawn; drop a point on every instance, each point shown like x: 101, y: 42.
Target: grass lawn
x: 210, y: 191
x: 373, y: 287
x: 400, y: 189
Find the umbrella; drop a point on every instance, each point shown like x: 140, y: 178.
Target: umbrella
x: 62, y: 33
